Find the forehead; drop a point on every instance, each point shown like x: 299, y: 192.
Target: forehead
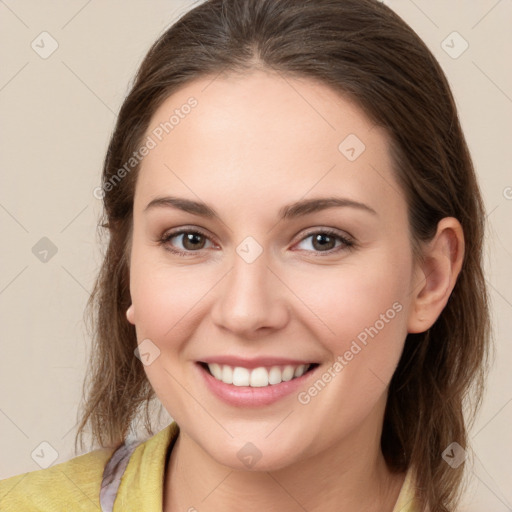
x: 265, y: 135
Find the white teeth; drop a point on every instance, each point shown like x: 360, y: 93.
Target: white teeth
x: 300, y: 370
x: 216, y: 371
x: 227, y: 374
x: 274, y: 375
x: 241, y: 376
x: 257, y: 377
x: 288, y: 373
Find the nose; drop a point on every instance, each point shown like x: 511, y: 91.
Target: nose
x: 251, y: 300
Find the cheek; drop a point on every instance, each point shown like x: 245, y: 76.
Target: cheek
x: 366, y: 321
x: 164, y: 295
x: 361, y: 313
x: 167, y: 301
x: 349, y: 300
x: 164, y: 300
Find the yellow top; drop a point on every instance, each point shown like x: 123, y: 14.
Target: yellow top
x: 75, y: 484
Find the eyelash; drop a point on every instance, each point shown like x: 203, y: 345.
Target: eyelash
x: 347, y: 244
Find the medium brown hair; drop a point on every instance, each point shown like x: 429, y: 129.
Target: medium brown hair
x: 366, y: 52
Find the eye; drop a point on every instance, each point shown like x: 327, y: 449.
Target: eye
x: 190, y: 240
x: 324, y: 241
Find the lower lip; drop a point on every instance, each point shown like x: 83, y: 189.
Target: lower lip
x: 246, y: 396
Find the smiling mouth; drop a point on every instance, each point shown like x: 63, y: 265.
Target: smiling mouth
x: 256, y: 377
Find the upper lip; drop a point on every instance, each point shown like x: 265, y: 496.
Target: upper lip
x: 253, y: 362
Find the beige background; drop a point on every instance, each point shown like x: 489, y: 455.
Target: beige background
x: 57, y: 114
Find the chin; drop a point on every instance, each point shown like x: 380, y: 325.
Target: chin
x: 252, y: 456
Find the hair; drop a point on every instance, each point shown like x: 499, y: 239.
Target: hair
x: 368, y: 54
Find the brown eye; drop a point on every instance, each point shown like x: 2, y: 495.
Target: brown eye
x: 193, y: 241
x: 322, y: 241
x: 184, y: 241
x: 325, y: 241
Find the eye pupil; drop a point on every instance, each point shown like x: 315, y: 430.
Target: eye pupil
x: 192, y: 238
x: 324, y: 240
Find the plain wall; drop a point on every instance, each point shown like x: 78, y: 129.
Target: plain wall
x: 57, y: 115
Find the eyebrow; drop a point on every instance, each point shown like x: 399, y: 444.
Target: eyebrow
x: 290, y: 211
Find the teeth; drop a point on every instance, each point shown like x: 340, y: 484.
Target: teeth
x: 257, y: 377
x: 288, y: 373
x: 227, y: 374
x: 216, y: 370
x: 274, y: 375
x: 241, y: 376
x: 299, y: 370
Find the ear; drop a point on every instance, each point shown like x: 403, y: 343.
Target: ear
x: 130, y: 314
x: 436, y: 275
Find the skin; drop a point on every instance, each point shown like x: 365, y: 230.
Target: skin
x: 253, y: 144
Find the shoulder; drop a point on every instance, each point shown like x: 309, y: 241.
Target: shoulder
x: 76, y: 484
x: 71, y: 483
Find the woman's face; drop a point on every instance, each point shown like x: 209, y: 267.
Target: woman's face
x: 296, y: 252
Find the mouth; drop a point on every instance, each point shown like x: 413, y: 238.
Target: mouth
x: 260, y: 377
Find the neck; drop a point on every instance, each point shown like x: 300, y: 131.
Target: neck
x: 351, y: 476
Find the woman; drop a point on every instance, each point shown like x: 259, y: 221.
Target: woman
x: 294, y: 270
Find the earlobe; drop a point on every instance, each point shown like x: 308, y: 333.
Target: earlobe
x: 437, y: 275
x: 130, y: 314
